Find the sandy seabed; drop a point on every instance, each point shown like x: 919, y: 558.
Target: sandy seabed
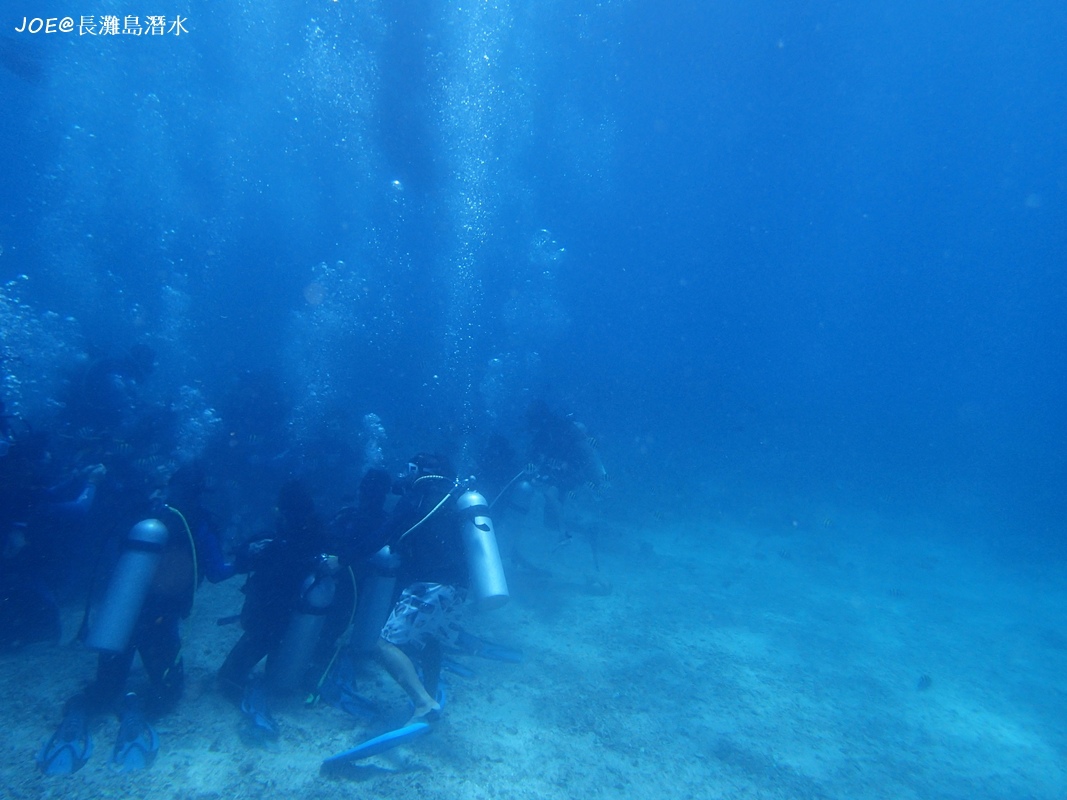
x: 840, y: 656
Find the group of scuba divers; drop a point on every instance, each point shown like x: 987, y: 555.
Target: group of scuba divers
x: 386, y: 579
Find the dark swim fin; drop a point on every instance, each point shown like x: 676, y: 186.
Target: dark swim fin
x: 343, y: 695
x: 137, y: 743
x: 483, y: 648
x: 457, y: 669
x: 70, y: 746
x: 496, y: 652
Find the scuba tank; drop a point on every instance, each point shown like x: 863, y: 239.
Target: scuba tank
x: 130, y: 581
x: 287, y: 665
x: 488, y: 584
x: 374, y: 601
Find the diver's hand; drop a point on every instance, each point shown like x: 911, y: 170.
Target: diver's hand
x: 96, y: 474
x: 256, y: 548
x: 158, y: 501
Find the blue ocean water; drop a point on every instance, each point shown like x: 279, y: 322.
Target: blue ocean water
x: 777, y: 259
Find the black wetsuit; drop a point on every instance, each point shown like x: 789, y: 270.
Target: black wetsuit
x: 433, y: 551
x: 156, y: 635
x: 272, y: 591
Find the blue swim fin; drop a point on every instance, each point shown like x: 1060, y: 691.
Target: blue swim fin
x: 380, y: 744
x: 137, y: 743
x: 70, y: 746
x: 259, y: 727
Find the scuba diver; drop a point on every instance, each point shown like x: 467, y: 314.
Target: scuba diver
x: 352, y: 537
x: 112, y: 414
x: 290, y: 589
x: 38, y: 519
x: 440, y: 544
x: 149, y: 590
x: 563, y: 460
x: 110, y: 389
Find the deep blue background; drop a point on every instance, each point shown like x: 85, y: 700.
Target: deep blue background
x: 807, y: 254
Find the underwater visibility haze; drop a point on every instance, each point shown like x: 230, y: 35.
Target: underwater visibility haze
x: 798, y: 269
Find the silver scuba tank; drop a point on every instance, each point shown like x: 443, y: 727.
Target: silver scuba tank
x: 113, y: 622
x: 521, y: 497
x: 287, y: 665
x: 489, y: 587
x: 374, y: 601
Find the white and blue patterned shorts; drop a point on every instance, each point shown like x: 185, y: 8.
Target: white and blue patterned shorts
x: 426, y: 611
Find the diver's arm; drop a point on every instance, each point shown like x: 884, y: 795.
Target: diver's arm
x: 80, y: 506
x: 213, y: 562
